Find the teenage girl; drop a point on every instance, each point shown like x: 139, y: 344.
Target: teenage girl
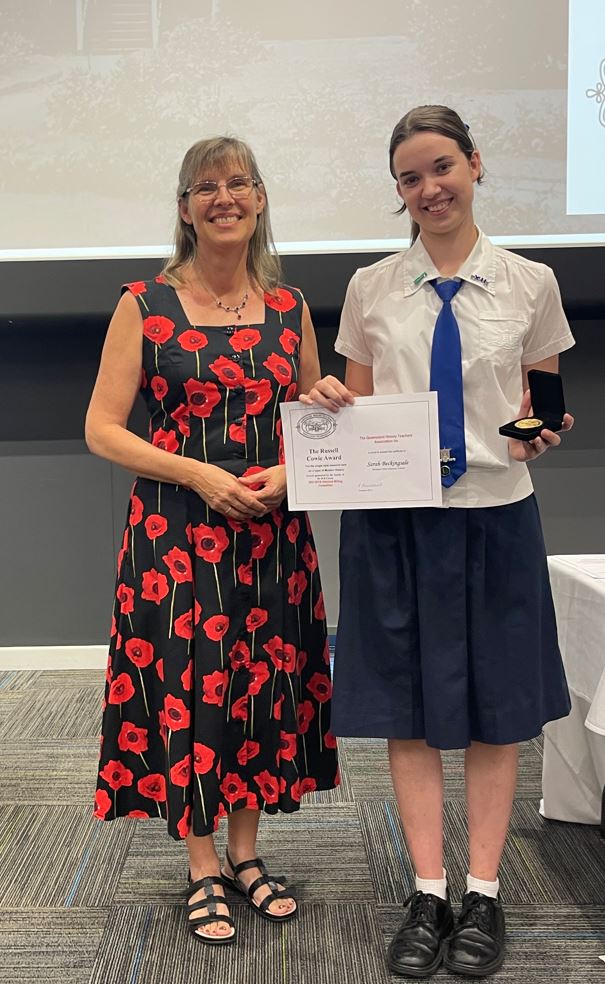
x: 447, y: 636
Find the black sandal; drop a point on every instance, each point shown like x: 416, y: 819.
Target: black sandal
x: 209, y: 902
x: 264, y: 878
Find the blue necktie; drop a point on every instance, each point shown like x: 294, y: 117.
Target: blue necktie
x: 446, y: 378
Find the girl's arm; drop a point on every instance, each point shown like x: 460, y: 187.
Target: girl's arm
x: 528, y: 450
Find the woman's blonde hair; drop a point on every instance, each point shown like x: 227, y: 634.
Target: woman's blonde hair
x: 264, y: 267
x: 434, y: 119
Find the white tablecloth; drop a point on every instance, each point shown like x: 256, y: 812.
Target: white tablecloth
x: 574, y: 747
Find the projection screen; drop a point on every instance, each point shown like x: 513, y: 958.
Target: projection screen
x: 99, y: 101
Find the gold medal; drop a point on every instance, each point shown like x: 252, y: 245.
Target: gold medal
x: 528, y: 422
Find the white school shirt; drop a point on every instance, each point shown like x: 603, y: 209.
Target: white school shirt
x: 509, y: 313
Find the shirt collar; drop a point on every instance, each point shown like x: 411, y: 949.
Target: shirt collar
x: 479, y: 268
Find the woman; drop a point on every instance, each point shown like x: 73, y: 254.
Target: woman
x: 217, y: 699
x: 447, y: 636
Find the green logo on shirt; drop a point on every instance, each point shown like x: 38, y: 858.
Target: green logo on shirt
x: 420, y: 278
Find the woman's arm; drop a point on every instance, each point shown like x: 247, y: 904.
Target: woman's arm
x: 112, y: 400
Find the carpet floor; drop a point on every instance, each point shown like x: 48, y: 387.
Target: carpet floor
x: 84, y: 902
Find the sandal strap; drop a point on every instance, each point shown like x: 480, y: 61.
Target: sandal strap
x: 264, y: 879
x: 207, y: 883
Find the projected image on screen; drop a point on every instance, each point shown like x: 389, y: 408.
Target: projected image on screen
x: 99, y: 99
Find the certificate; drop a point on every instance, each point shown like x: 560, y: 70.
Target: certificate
x: 381, y: 453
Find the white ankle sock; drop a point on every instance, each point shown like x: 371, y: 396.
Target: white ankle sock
x: 489, y: 888
x: 434, y: 886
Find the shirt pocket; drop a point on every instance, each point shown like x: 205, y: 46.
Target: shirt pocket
x: 501, y: 336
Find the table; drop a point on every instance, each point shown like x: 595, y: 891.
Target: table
x: 573, y: 776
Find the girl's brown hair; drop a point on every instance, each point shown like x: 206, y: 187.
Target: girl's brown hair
x: 432, y: 119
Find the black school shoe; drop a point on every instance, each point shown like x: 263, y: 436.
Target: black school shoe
x: 476, y: 947
x: 418, y: 946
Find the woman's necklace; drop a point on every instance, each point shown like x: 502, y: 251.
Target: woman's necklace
x: 235, y: 309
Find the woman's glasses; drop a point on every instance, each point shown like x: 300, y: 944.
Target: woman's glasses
x: 238, y: 187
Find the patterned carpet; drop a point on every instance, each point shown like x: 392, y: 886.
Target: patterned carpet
x: 82, y: 902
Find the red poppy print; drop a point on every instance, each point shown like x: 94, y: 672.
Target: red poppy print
x: 158, y: 329
x: 183, y: 626
x: 307, y: 785
x: 187, y: 676
x: 232, y: 788
x: 249, y: 750
x: 277, y: 708
x: 253, y: 470
x: 180, y: 773
x: 279, y: 368
x: 121, y: 689
x: 143, y: 382
x: 136, y: 510
x: 116, y: 775
x: 184, y: 825
x: 239, y: 655
x: 177, y: 715
x: 139, y: 652
x: 159, y: 387
x: 259, y: 674
x: 287, y: 746
x: 262, y: 538
x: 153, y: 787
x: 258, y: 394
x: 160, y: 279
x: 291, y: 394
x: 237, y: 433
x: 329, y: 740
x: 297, y: 583
x: 288, y: 341
x: 132, y: 739
x: 103, y: 804
x: 309, y: 557
x: 239, y: 709
x: 214, y: 686
x: 210, y: 542
x: 268, y: 785
x: 244, y: 339
x: 165, y: 440
x: 255, y: 618
x: 216, y: 626
x: 301, y: 661
x: 155, y: 586
x: 159, y: 669
x: 203, y: 758
x: 281, y: 300
x: 293, y: 530
x: 235, y: 525
x: 229, y: 373
x: 244, y: 573
x: 201, y: 397
x: 137, y: 287
x: 155, y: 525
x: 178, y: 563
x: 319, y: 609
x: 306, y: 713
x: 192, y: 340
x: 125, y: 596
x: 320, y: 686
x: 181, y: 417
x: 283, y: 654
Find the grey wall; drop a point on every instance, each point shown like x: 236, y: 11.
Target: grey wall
x: 63, y: 510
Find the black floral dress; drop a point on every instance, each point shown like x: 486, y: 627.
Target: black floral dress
x: 218, y: 682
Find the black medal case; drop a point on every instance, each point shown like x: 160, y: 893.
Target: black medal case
x: 548, y: 407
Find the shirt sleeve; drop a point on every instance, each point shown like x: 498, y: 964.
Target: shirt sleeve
x: 549, y: 332
x: 351, y: 341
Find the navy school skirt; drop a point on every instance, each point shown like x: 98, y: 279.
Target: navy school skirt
x: 447, y: 628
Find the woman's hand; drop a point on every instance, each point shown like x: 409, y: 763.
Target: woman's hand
x: 528, y: 450
x: 226, y: 494
x: 330, y: 393
x: 273, y: 486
